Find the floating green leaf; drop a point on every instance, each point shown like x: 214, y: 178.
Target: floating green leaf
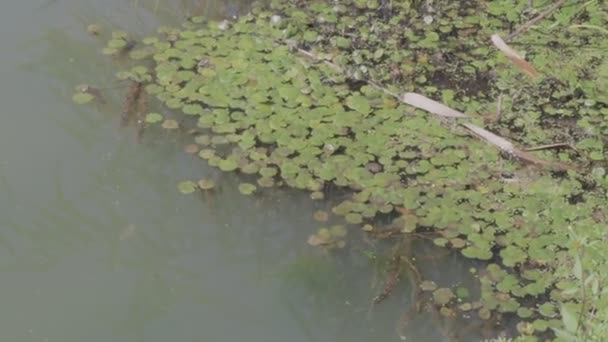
x: 443, y: 296
x: 206, y: 184
x: 186, y: 187
x: 170, y: 124
x: 358, y: 103
x: 247, y: 188
x: 228, y: 165
x: 153, y: 118
x: 82, y: 98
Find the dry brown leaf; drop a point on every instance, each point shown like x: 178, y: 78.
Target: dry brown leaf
x: 518, y: 60
x: 431, y: 106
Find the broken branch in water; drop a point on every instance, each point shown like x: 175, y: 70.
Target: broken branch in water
x: 437, y: 108
x: 509, y: 148
x: 431, y: 106
x: 551, y: 146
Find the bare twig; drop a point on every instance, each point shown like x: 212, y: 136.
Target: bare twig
x: 534, y: 20
x: 509, y: 148
x: 499, y: 108
x: 439, y: 109
x: 581, y: 316
x: 550, y: 146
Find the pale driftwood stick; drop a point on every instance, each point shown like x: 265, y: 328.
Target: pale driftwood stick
x: 550, y: 146
x: 509, y: 148
x: 486, y: 135
x: 499, y: 108
x: 534, y: 20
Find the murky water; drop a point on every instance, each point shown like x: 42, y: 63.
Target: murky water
x: 96, y: 244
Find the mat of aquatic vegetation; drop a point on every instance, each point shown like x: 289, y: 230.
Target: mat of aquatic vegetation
x: 289, y: 93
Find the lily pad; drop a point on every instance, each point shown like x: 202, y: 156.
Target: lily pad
x: 367, y: 228
x: 266, y: 182
x: 321, y: 216
x: 153, y: 118
x: 359, y: 103
x: 191, y: 148
x: 247, y: 188
x: 228, y: 165
x: 170, y: 124
x: 317, y: 195
x: 82, y: 98
x: 206, y: 184
x: 206, y: 153
x: 428, y: 285
x: 338, y: 231
x: 186, y: 187
x: 353, y: 218
x: 443, y: 296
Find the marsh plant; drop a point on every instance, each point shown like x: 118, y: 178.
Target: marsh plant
x: 302, y: 94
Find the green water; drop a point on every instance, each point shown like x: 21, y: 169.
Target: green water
x: 96, y: 243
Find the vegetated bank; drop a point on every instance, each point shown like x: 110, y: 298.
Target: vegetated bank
x: 307, y: 94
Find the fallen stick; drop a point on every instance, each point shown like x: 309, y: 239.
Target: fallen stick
x: 534, y: 20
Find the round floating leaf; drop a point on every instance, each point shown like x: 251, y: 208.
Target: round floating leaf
x: 247, y: 188
x: 153, y: 118
x: 428, y: 285
x: 540, y: 325
x: 442, y: 242
x: 317, y: 195
x: 324, y: 234
x: 353, y: 218
x: 321, y: 216
x: 548, y: 310
x: 117, y: 43
x: 484, y: 314
x: 447, y: 312
x: 206, y: 184
x: 94, y: 29
x: 203, y: 140
x: 268, y: 171
x: 525, y: 328
x: 250, y: 168
x: 119, y: 35
x: 82, y: 98
x: 323, y: 237
x: 443, y: 296
x: 524, y: 312
x: 170, y: 124
x: 228, y: 165
x: 206, y: 153
x: 512, y: 255
x: 109, y: 51
x: 458, y: 243
x: 186, y: 187
x: 266, y: 182
x: 141, y: 53
x: 193, y: 109
x: 358, y: 103
x: 465, y: 307
x: 338, y: 231
x: 191, y: 148
x: 462, y: 293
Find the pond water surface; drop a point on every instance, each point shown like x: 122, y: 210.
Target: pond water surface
x: 96, y: 243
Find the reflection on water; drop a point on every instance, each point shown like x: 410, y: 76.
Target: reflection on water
x: 97, y: 245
